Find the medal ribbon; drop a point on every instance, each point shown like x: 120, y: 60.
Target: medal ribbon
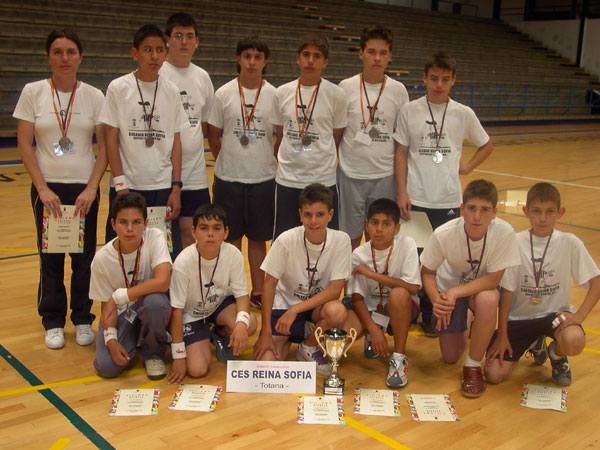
x: 63, y: 124
x: 246, y: 119
x: 537, y: 274
x: 371, y: 110
x: 310, y: 273
x: 210, y: 283
x: 313, y: 101
x: 438, y: 136
x: 480, y: 256
x: 385, y: 271
x: 136, y: 268
x: 144, y: 105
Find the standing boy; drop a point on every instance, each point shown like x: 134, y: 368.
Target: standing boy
x: 535, y: 296
x: 196, y: 92
x: 463, y: 263
x: 309, y: 115
x: 366, y: 168
x: 143, y: 117
x: 305, y: 271
x: 385, y: 274
x: 130, y: 276
x: 208, y: 286
x: 245, y: 155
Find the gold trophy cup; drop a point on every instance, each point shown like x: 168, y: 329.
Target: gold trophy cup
x: 335, y: 345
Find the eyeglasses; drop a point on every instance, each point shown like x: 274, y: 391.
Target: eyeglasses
x: 181, y: 36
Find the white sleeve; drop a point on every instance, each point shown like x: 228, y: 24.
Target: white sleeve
x: 237, y: 275
x: 159, y: 250
x: 342, y: 259
x: 401, y: 134
x: 276, y: 117
x: 510, y: 279
x: 209, y: 95
x: 180, y: 284
x: 101, y: 287
x: 25, y: 109
x: 583, y: 266
x: 410, y: 266
x: 432, y: 256
x: 274, y: 262
x: 505, y: 253
x: 340, y: 109
x: 98, y: 103
x: 110, y: 109
x: 474, y: 131
x: 357, y: 284
x: 216, y: 112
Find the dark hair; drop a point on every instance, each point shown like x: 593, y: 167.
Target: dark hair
x: 180, y: 19
x: 316, y: 193
x: 129, y: 200
x: 543, y: 192
x: 481, y: 189
x: 210, y: 211
x: 252, y: 42
x: 385, y: 206
x: 440, y: 60
x: 376, y: 32
x: 316, y: 39
x: 145, y: 31
x: 64, y: 33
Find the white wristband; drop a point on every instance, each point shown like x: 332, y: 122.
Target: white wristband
x: 243, y: 317
x: 178, y: 350
x: 109, y: 334
x: 120, y: 183
x: 120, y: 296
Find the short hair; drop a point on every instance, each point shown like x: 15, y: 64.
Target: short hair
x: 180, y: 19
x: 145, y: 31
x: 384, y: 206
x: 481, y: 189
x: 316, y: 193
x: 63, y: 33
x: 376, y: 32
x: 543, y: 192
x: 440, y: 60
x: 128, y: 200
x: 252, y: 42
x: 210, y: 211
x: 315, y: 39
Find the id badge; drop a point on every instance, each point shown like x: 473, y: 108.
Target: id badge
x: 61, y: 151
x: 363, y: 137
x: 297, y: 145
x: 252, y: 136
x: 380, y: 319
x: 130, y: 313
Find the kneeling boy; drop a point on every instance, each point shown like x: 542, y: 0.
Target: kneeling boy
x: 208, y: 286
x: 535, y: 298
x: 305, y: 271
x: 386, y: 274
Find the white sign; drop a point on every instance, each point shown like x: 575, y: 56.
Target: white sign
x: 272, y: 377
x: 418, y: 227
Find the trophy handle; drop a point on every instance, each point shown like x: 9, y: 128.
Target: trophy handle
x: 352, y: 335
x: 319, y: 335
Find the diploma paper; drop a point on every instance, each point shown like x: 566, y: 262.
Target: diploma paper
x: 544, y: 397
x: 326, y: 410
x: 134, y: 402
x: 156, y: 219
x: 431, y: 408
x: 376, y: 402
x: 196, y: 397
x: 63, y: 234
x: 418, y: 227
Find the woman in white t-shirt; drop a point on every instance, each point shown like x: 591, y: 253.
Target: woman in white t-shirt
x: 61, y: 113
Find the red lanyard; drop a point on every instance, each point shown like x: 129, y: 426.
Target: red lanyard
x: 438, y: 136
x: 371, y: 110
x: 311, y: 272
x: 246, y: 119
x: 385, y: 271
x: 313, y: 101
x: 136, y: 269
x: 63, y: 124
x: 480, y: 256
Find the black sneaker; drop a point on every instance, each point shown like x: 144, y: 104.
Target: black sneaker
x: 428, y: 328
x: 539, y: 351
x: 368, y: 348
x: 224, y: 353
x: 561, y: 371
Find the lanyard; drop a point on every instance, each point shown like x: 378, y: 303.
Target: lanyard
x: 313, y: 101
x: 371, y: 110
x: 385, y: 271
x: 310, y: 273
x: 210, y: 282
x: 480, y: 256
x: 136, y: 267
x: 63, y: 123
x: 149, y: 119
x: 537, y: 274
x: 438, y: 136
x: 246, y: 119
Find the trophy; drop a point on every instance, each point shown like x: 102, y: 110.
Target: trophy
x: 336, y: 346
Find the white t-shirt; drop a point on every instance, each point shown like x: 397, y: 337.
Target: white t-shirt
x: 403, y: 264
x: 447, y: 252
x: 255, y: 162
x: 107, y: 274
x: 287, y: 262
x: 432, y: 185
x: 298, y: 168
x: 566, y: 257
x: 145, y: 168
x: 35, y: 106
x: 229, y: 279
x: 361, y: 161
x: 196, y: 92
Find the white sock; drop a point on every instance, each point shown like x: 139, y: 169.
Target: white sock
x: 398, y: 356
x: 551, y: 353
x: 472, y: 363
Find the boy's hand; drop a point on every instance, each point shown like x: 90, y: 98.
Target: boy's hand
x: 442, y: 310
x: 362, y: 269
x: 405, y: 206
x: 108, y: 317
x: 285, y: 322
x: 117, y: 352
x: 379, y: 342
x: 500, y: 346
x: 177, y: 372
x: 174, y: 201
x: 263, y: 344
x: 239, y: 338
x: 570, y: 319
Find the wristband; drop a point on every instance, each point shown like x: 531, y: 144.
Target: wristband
x: 243, y: 317
x: 120, y: 296
x: 109, y: 334
x: 120, y: 183
x: 178, y: 350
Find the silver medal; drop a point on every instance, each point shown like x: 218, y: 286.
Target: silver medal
x: 373, y: 133
x: 64, y: 142
x: 306, y: 140
x: 244, y: 140
x: 149, y: 141
x: 438, y: 157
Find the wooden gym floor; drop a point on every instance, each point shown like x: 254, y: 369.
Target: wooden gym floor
x: 53, y: 398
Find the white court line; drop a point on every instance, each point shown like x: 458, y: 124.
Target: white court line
x: 539, y: 179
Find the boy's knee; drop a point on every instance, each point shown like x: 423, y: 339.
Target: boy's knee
x: 155, y: 306
x: 399, y: 298
x: 108, y: 369
x: 450, y: 357
x: 572, y: 340
x: 197, y: 370
x: 486, y: 301
x: 494, y: 374
x: 335, y: 313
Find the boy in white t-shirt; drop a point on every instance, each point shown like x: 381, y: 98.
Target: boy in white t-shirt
x: 305, y: 271
x: 208, y: 285
x: 309, y: 116
x: 535, y: 296
x: 462, y: 264
x: 385, y: 274
x: 130, y: 276
x: 366, y: 168
x: 143, y: 117
x: 196, y: 92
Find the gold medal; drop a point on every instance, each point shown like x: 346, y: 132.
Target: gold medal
x: 244, y: 140
x: 536, y: 300
x: 306, y: 140
x: 64, y: 142
x: 149, y: 141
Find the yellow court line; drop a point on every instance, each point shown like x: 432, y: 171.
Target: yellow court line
x: 416, y: 333
x: 589, y: 330
x: 591, y: 350
x: 152, y: 383
x: 19, y: 250
x: 60, y: 444
x: 375, y: 434
x: 16, y: 191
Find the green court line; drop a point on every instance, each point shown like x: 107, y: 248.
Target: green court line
x: 57, y: 402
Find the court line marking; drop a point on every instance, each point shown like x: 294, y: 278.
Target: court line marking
x: 591, y: 350
x: 60, y: 444
x: 597, y: 188
x: 18, y: 249
x: 537, y: 133
x: 375, y: 434
x: 81, y: 425
x: 590, y: 330
x: 151, y: 384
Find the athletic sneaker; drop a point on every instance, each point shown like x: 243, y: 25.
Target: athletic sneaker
x: 538, y: 351
x: 306, y: 353
x: 368, y: 348
x: 55, y: 338
x: 472, y: 383
x: 256, y: 300
x: 224, y: 353
x: 428, y: 328
x: 561, y: 371
x: 155, y: 369
x: 396, y: 377
x: 84, y: 335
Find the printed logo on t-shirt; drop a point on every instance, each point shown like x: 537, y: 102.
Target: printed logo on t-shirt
x: 385, y: 294
x: 528, y: 284
x: 380, y: 123
x: 189, y: 107
x: 466, y: 277
x: 429, y: 142
x: 211, y: 300
x: 253, y: 133
x: 138, y: 130
x: 301, y: 293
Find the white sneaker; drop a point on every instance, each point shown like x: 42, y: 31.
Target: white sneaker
x: 396, y: 377
x: 84, y: 335
x: 306, y: 353
x: 55, y: 338
x: 155, y: 369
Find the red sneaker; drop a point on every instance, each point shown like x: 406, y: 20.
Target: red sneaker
x: 473, y: 384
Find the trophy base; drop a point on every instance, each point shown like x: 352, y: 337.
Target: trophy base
x: 328, y: 390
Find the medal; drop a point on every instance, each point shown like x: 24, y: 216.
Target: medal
x: 385, y: 272
x: 149, y: 137
x: 380, y: 308
x: 537, y: 274
x: 374, y: 133
x: 64, y: 142
x: 149, y: 141
x: 244, y: 140
x: 438, y: 157
x: 306, y: 140
x: 247, y: 118
x: 303, y: 128
x: 310, y: 272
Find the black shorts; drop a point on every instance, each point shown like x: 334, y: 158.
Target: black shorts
x: 200, y: 329
x: 192, y: 200
x: 458, y: 319
x: 297, y: 329
x: 249, y: 206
